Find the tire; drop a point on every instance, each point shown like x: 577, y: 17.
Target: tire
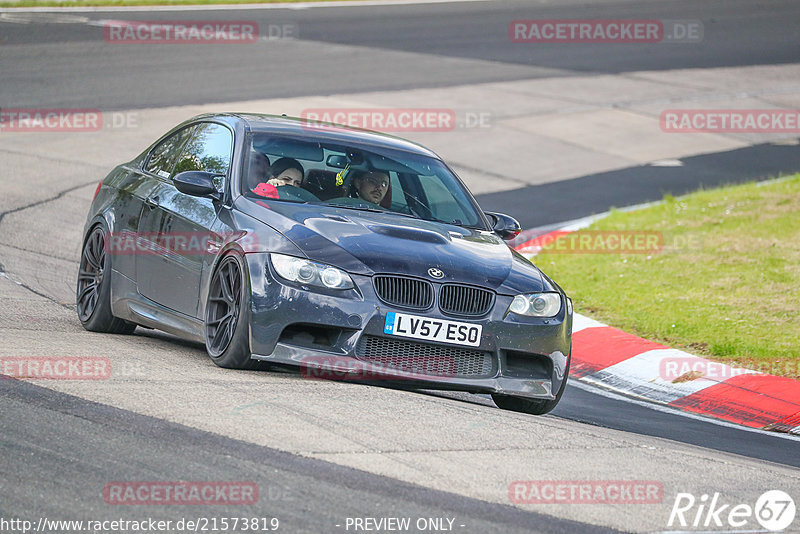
x: 93, y: 292
x: 531, y: 406
x: 227, y: 315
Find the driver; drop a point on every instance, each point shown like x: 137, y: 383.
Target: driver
x: 370, y: 186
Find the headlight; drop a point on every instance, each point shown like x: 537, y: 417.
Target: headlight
x: 536, y: 305
x: 311, y: 273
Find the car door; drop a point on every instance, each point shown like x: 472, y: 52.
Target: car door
x: 179, y: 225
x: 155, y: 171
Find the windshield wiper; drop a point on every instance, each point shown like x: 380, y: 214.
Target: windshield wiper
x: 372, y: 210
x: 454, y: 223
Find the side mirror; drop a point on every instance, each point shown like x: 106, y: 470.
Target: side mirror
x: 197, y: 183
x: 503, y: 225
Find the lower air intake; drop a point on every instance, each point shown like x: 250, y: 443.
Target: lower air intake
x: 425, y: 358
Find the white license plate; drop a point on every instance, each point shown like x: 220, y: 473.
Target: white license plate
x: 402, y: 324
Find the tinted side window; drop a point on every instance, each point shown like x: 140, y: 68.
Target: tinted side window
x: 163, y: 157
x: 209, y: 150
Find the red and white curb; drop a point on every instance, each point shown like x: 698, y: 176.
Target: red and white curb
x: 609, y: 358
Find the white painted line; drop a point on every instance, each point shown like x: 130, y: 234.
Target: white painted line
x: 665, y: 409
x: 787, y: 142
x: 23, y: 17
x: 762, y: 183
x: 574, y: 225
x: 232, y: 7
x: 666, y: 163
x: 580, y: 224
x: 581, y: 322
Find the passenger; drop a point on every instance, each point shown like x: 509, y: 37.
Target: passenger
x: 370, y: 186
x: 286, y: 171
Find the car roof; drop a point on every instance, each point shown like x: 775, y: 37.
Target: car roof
x: 322, y: 131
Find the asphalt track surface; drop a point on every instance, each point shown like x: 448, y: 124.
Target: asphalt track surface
x: 80, y: 440
x: 736, y: 33
x: 94, y: 440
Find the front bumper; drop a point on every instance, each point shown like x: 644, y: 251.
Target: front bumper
x: 324, y: 333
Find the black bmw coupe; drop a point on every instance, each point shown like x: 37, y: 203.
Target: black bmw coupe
x: 347, y: 253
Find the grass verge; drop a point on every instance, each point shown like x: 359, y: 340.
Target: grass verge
x: 725, y: 285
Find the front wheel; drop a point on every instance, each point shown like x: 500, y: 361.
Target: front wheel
x: 226, y: 316
x: 531, y: 406
x: 93, y: 295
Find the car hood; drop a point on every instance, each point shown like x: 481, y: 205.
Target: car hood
x: 363, y: 242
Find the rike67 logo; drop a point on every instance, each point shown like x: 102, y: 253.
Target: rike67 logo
x: 774, y: 510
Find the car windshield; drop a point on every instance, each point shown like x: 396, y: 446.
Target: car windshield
x: 353, y: 177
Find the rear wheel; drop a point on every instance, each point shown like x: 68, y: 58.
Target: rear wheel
x: 93, y: 296
x: 531, y: 406
x: 226, y: 316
